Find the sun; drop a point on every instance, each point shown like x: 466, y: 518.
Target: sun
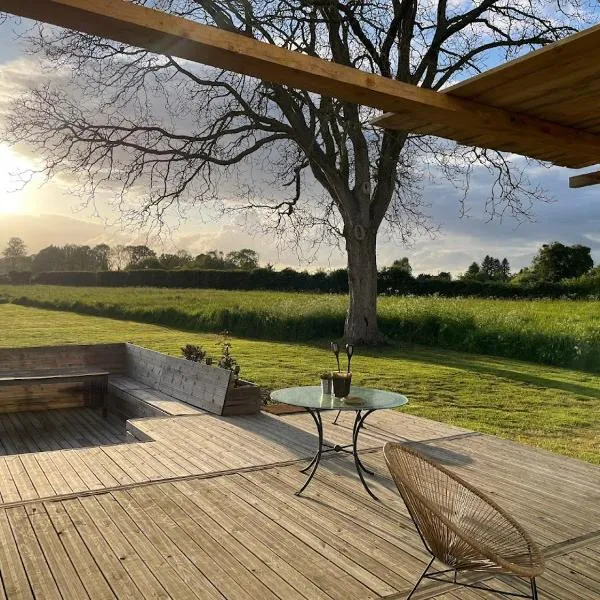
x: 11, y: 201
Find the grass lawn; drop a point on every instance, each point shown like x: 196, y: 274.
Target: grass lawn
x: 553, y: 332
x: 553, y: 408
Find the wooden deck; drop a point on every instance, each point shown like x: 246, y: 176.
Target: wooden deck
x: 204, y: 507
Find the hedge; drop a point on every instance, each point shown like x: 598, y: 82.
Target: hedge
x: 390, y: 282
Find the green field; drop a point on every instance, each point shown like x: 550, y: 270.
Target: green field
x: 553, y: 332
x: 553, y: 408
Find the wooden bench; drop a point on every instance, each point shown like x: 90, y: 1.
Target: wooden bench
x: 143, y: 382
x: 94, y: 384
x: 52, y: 377
x: 156, y: 384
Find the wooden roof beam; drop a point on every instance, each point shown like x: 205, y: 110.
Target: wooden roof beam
x: 167, y: 34
x: 584, y: 180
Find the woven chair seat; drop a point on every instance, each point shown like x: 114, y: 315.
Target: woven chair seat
x: 459, y: 525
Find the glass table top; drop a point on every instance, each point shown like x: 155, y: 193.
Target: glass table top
x: 359, y: 398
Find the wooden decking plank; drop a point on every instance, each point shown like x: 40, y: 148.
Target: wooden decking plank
x: 23, y: 431
x: 110, y: 563
x: 11, y: 430
x: 191, y: 546
x: 14, y: 577
x: 8, y: 489
x: 389, y: 521
x: 343, y: 553
x: 230, y: 564
x: 37, y: 475
x: 87, y: 476
x: 330, y: 578
x: 261, y: 569
x: 105, y: 465
x: 53, y: 474
x: 263, y: 552
x: 260, y: 434
x: 6, y: 437
x: 58, y: 560
x: 129, y: 470
x: 39, y: 574
x: 88, y: 571
x: 20, y: 477
x: 142, y: 514
x: 94, y: 434
x: 147, y: 584
x: 93, y: 419
x: 363, y: 546
x: 153, y: 560
x: 199, y: 455
x: 150, y: 459
x: 68, y: 473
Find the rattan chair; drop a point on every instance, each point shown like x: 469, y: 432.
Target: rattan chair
x: 460, y: 526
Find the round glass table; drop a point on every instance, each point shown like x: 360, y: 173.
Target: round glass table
x: 363, y: 401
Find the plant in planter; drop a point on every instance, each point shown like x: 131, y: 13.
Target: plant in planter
x: 326, y: 383
x: 227, y: 361
x: 193, y: 352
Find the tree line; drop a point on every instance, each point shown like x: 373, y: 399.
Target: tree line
x: 553, y: 263
x: 102, y: 257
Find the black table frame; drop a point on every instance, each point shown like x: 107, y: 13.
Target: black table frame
x: 361, y: 415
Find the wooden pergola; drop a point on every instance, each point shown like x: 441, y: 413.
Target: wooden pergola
x: 543, y: 105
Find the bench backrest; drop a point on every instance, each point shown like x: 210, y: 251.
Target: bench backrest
x: 197, y: 384
x: 62, y: 359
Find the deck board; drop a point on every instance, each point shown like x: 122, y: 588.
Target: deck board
x: 204, y: 507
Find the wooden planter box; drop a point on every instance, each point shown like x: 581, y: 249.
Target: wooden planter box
x: 243, y: 398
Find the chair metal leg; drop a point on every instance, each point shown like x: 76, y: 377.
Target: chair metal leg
x: 337, y: 417
x: 423, y: 574
x: 534, y: 593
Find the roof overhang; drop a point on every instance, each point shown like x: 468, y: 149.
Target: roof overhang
x: 535, y: 106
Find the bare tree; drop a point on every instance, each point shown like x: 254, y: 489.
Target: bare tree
x: 169, y: 133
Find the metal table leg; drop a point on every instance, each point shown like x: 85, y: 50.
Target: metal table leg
x: 358, y: 423
x: 314, y: 463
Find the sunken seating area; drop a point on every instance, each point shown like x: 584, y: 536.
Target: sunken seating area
x: 140, y: 382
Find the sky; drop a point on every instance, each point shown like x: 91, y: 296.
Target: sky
x: 46, y: 213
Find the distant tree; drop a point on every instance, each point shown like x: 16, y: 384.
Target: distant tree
x: 525, y: 276
x: 441, y: 276
x: 473, y: 272
x: 118, y: 258
x: 556, y: 261
x: 504, y: 269
x: 212, y: 259
x: 136, y: 254
x: 15, y: 254
x: 150, y: 262
x: 100, y: 255
x: 244, y: 259
x: 185, y: 257
x: 493, y: 269
x: 169, y: 261
x: 51, y: 258
x: 402, y: 264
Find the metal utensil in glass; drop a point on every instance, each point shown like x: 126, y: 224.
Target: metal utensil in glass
x: 349, y: 353
x: 336, y: 350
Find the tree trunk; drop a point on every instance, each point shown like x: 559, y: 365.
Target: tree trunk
x: 361, y: 319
